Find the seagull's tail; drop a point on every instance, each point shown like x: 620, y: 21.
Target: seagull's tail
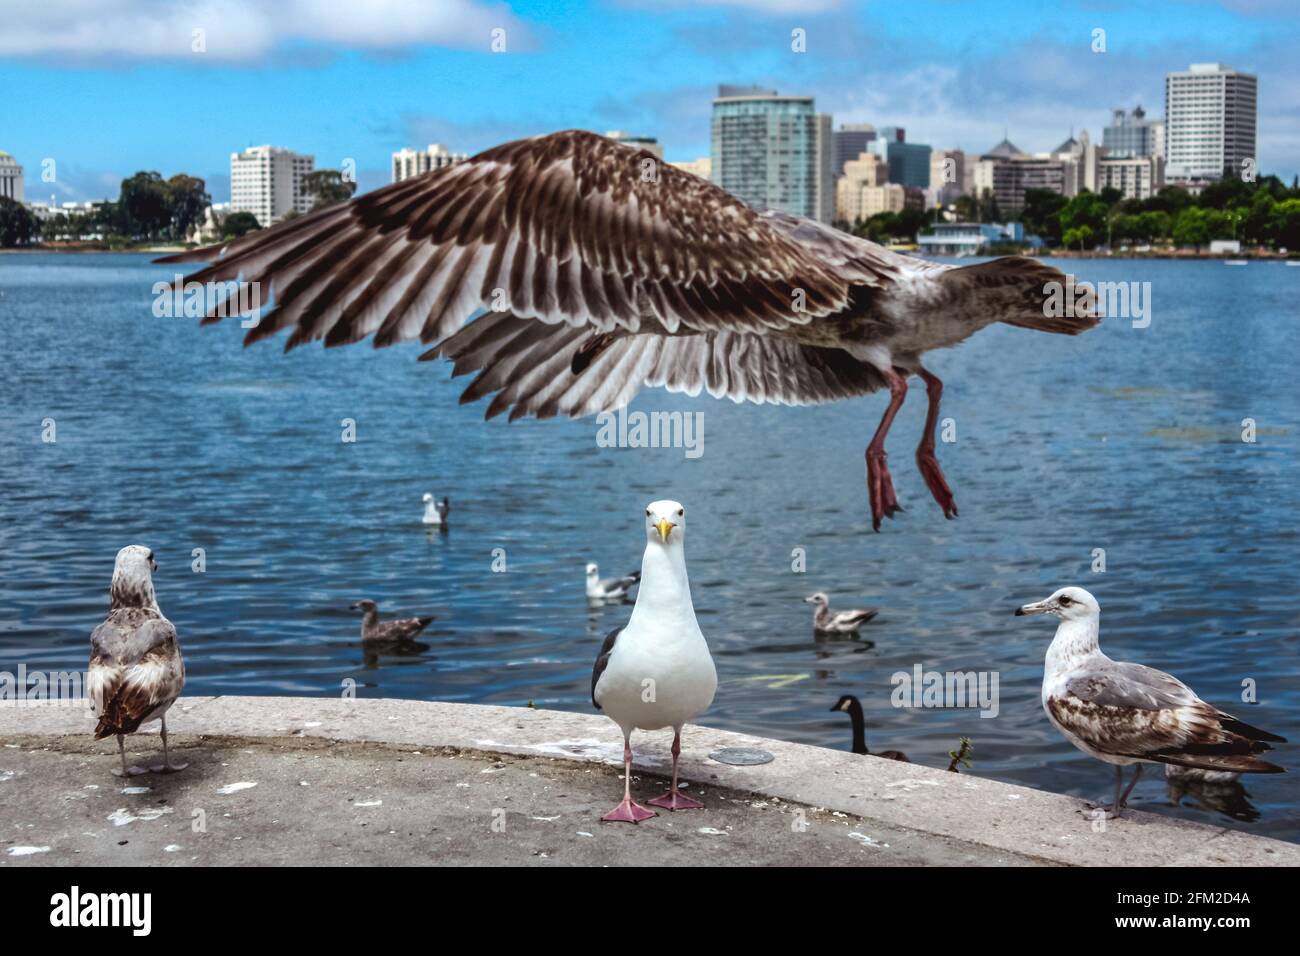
x: 1234, y: 763
x: 1028, y: 294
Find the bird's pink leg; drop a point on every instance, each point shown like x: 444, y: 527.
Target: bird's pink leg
x: 674, y: 799
x: 880, y: 484
x: 925, y: 459
x: 629, y: 811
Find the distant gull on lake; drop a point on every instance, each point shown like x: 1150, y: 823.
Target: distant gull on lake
x: 609, y: 589
x: 599, y: 280
x: 136, y: 671
x: 435, y: 512
x: 1126, y: 714
x: 656, y: 671
x: 837, y: 622
x: 375, y: 631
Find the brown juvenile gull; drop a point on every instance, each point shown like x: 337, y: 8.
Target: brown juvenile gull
x: 837, y: 622
x: 136, y: 671
x: 375, y: 631
x: 853, y: 707
x: 1131, y: 714
x: 604, y: 271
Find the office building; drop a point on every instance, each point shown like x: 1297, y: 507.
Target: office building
x: 849, y: 142
x: 947, y: 176
x: 771, y: 150
x: 409, y: 162
x: 268, y: 182
x: 11, y: 178
x: 1131, y: 135
x: 1209, y: 122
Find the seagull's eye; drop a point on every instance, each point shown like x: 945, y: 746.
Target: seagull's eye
x: 647, y: 512
x: 1065, y: 600
x: 681, y: 512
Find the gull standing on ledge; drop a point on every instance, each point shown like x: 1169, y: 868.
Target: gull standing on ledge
x: 657, y: 671
x: 1125, y: 713
x: 136, y: 671
x: 608, y: 589
x: 600, y: 280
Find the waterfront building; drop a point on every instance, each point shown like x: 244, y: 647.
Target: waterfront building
x: 411, y: 162
x: 1210, y: 121
x: 267, y: 181
x: 11, y: 177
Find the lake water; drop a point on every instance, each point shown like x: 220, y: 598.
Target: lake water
x: 1125, y: 439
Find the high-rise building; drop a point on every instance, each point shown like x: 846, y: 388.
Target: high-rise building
x: 770, y: 150
x: 268, y: 182
x: 1209, y: 121
x: 11, y: 178
x: 909, y: 163
x: 648, y: 143
x: 1132, y: 135
x: 947, y: 175
x: 849, y: 142
x: 865, y: 190
x: 410, y: 162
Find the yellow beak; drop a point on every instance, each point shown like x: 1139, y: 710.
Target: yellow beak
x: 665, y: 528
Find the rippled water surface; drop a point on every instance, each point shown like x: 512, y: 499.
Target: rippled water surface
x: 1125, y: 439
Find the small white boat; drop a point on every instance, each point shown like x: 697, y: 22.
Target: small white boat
x: 1234, y: 262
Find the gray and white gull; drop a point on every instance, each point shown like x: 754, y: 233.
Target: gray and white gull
x: 1129, y: 714
x: 599, y: 281
x: 136, y: 671
x: 656, y: 671
x: 837, y: 622
x: 609, y: 589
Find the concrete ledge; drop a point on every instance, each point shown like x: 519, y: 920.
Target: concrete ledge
x: 955, y: 809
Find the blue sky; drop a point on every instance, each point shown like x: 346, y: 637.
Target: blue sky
x: 109, y: 87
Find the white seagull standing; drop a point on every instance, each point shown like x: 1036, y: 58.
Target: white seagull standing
x: 136, y: 671
x: 609, y: 589
x: 657, y: 671
x: 1126, y: 714
x: 599, y: 281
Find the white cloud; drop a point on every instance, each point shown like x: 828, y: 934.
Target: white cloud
x: 245, y: 30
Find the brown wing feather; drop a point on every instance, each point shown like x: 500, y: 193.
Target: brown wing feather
x: 530, y: 366
x: 563, y: 228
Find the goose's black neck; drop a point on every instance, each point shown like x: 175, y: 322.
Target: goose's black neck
x: 859, y: 728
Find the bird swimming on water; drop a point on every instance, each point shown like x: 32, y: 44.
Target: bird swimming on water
x: 853, y: 707
x: 136, y: 671
x: 656, y: 671
x: 600, y: 281
x: 435, y: 512
x: 837, y: 622
x: 374, y: 631
x: 609, y: 589
x: 1129, y: 714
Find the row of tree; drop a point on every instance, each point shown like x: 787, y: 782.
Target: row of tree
x: 1263, y: 213
x: 152, y: 209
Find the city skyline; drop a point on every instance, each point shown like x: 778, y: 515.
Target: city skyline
x: 382, y: 90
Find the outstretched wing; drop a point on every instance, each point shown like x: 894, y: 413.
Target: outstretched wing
x: 566, y: 228
x: 529, y: 365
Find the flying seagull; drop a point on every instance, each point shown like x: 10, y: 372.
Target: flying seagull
x: 853, y: 707
x: 136, y: 671
x: 657, y: 671
x: 608, y: 589
x: 1125, y: 713
x: 600, y: 280
x: 435, y: 512
x: 837, y: 622
x: 375, y: 631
